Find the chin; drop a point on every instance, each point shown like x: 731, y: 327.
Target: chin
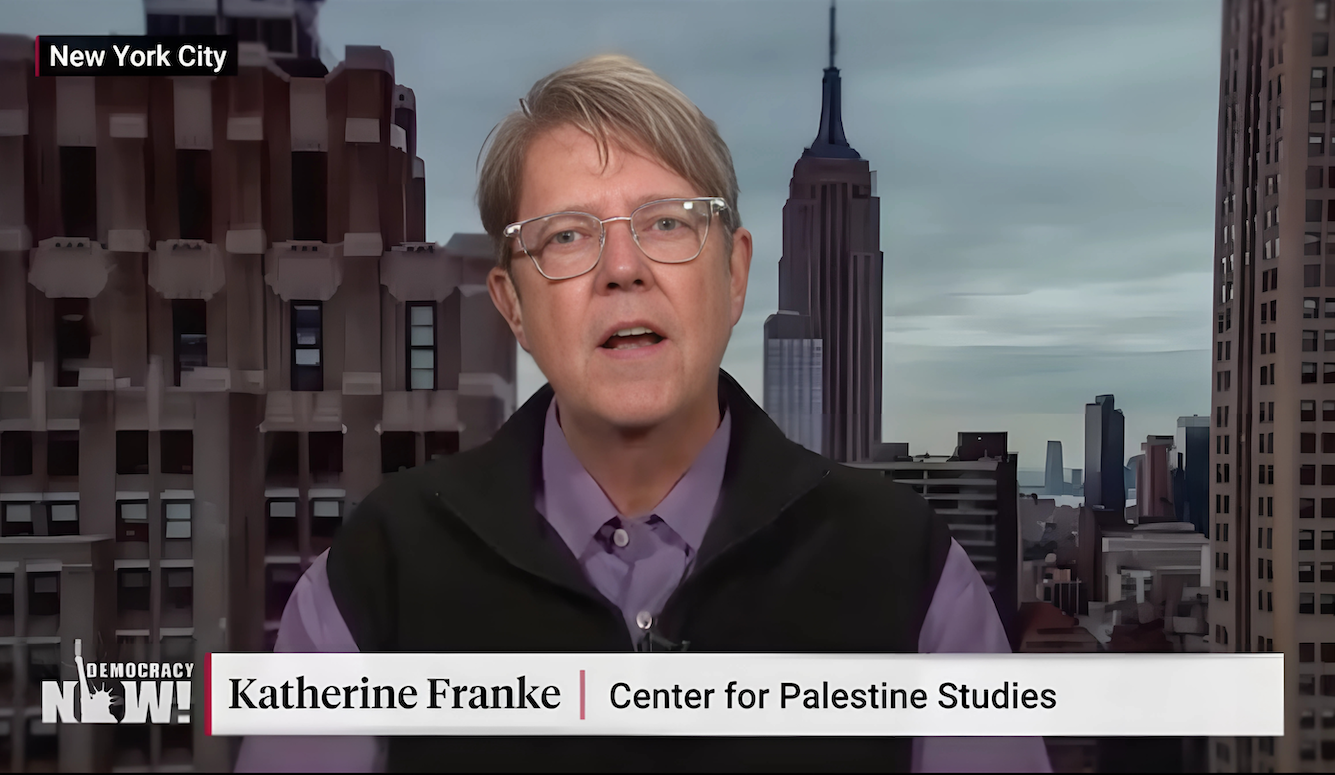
x: 635, y: 405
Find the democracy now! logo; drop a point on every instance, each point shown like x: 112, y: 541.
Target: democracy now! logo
x: 119, y: 693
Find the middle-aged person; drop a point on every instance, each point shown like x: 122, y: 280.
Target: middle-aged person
x: 641, y: 500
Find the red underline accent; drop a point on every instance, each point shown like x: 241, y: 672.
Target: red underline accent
x: 208, y: 693
x: 581, y: 695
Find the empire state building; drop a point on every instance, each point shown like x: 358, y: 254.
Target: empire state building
x: 823, y: 346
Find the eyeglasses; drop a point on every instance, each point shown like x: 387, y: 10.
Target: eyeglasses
x: 569, y: 244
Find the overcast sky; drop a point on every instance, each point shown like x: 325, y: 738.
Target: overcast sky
x: 1045, y: 171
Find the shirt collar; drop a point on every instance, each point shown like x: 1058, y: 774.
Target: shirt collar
x: 576, y: 507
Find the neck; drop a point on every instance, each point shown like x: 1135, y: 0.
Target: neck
x: 638, y: 467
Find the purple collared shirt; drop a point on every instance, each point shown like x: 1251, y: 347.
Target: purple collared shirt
x: 636, y: 561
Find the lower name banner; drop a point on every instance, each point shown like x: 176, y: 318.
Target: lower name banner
x: 1218, y: 695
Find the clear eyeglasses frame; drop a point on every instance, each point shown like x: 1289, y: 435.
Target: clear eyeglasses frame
x: 667, y: 231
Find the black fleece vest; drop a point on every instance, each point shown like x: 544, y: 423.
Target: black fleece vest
x: 803, y: 555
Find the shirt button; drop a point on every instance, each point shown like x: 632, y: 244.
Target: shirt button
x: 620, y: 537
x: 643, y: 620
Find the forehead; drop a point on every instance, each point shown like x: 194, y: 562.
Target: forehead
x: 563, y: 170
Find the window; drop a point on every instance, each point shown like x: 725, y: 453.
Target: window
x: 1327, y: 410
x: 44, y: 594
x: 73, y: 339
x: 1309, y: 308
x: 326, y: 518
x: 1306, y: 539
x: 1328, y: 337
x: 1307, y: 720
x: 309, y: 195
x: 1306, y: 508
x: 1320, y: 44
x: 1312, y: 276
x: 1309, y: 373
x: 1321, y: 10
x: 1316, y: 112
x: 1316, y: 145
x: 1306, y: 411
x: 1327, y: 508
x: 178, y: 452
x: 190, y: 348
x: 307, y: 345
x: 132, y: 589
x: 421, y: 346
x: 6, y: 597
x: 194, y: 194
x: 398, y: 451
x: 16, y: 453
x: 132, y: 521
x: 177, y: 588
x: 62, y: 453
x: 441, y: 444
x: 1306, y: 602
x: 326, y: 453
x: 78, y: 191
x: 282, y: 525
x: 1306, y: 574
x: 1328, y: 539
x: 132, y: 452
x: 1312, y: 243
x: 62, y: 519
x: 1265, y: 375
x: 279, y: 582
x: 1329, y: 309
x: 1314, y: 208
x: 1306, y: 474
x: 280, y: 453
x: 16, y: 519
x: 176, y: 520
x: 1327, y: 572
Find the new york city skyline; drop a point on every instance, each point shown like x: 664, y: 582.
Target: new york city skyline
x: 1045, y: 173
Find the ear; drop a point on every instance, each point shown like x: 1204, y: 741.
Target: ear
x: 739, y: 264
x: 506, y: 298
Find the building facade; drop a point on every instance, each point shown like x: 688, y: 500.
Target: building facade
x: 220, y: 325
x: 1272, y: 495
x: 1105, y: 440
x: 830, y: 279
x: 976, y: 492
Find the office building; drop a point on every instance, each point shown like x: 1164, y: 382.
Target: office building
x: 1272, y: 490
x: 222, y: 325
x: 1054, y: 477
x: 1191, y: 486
x: 1105, y: 479
x: 975, y: 490
x: 830, y: 283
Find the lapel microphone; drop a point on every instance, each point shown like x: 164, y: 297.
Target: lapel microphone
x: 655, y: 642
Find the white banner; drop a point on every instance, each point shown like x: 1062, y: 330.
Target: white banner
x: 1223, y: 695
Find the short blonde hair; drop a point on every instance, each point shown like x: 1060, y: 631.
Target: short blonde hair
x: 614, y: 99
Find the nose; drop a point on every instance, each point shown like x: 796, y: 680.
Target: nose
x: 623, y: 264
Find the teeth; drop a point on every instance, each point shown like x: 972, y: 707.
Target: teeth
x: 636, y: 331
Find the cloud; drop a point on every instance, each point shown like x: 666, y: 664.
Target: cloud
x: 1045, y: 169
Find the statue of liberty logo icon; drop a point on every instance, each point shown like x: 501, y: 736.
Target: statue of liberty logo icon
x: 94, y: 706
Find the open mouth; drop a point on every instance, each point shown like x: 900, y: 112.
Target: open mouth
x: 631, y: 338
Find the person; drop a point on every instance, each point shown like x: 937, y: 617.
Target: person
x: 641, y: 500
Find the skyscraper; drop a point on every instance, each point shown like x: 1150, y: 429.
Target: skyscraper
x: 1273, y: 373
x: 829, y: 294
x: 1054, y: 477
x: 221, y: 326
x: 1105, y: 431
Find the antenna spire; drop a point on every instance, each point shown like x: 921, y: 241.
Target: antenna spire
x: 833, y: 44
